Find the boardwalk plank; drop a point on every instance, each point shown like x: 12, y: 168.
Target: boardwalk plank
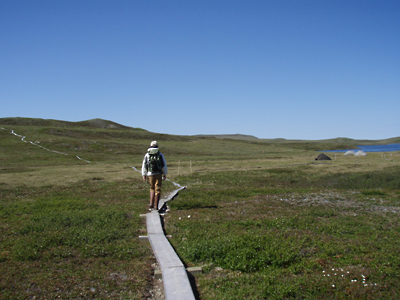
x: 165, y: 254
x: 170, y: 196
x: 176, y: 282
x: 153, y: 223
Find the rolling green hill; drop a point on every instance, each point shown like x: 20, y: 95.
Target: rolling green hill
x: 262, y: 217
x: 337, y: 143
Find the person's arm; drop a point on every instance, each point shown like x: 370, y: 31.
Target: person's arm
x: 165, y: 168
x: 144, y: 167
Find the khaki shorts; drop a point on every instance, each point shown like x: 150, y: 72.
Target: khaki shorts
x: 155, y: 183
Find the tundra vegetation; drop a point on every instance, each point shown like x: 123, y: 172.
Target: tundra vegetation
x: 263, y: 219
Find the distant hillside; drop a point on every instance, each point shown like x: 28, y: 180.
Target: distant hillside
x: 100, y: 123
x: 94, y: 123
x: 342, y: 140
x: 336, y: 143
x: 230, y: 136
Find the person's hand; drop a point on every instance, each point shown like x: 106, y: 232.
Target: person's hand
x: 144, y: 177
x: 164, y: 177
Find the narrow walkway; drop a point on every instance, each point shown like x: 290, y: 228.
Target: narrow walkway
x: 176, y: 282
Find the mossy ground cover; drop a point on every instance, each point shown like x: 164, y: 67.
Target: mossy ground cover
x: 291, y: 233
x: 264, y: 219
x: 76, y: 241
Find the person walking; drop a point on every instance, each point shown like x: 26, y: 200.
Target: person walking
x: 155, y: 168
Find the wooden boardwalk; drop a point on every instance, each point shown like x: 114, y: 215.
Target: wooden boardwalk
x: 176, y: 281
x: 170, y: 197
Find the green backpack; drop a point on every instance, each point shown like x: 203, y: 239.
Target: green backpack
x: 156, y: 162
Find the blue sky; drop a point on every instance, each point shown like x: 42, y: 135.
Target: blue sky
x: 270, y: 68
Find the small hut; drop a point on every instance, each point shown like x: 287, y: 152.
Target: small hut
x: 323, y: 156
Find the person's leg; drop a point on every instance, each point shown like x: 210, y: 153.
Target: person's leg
x: 157, y: 188
x: 152, y: 197
x: 152, y: 181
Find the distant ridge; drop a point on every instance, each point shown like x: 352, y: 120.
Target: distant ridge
x: 236, y: 136
x: 339, y: 142
x: 342, y: 140
x: 94, y: 123
x: 100, y: 123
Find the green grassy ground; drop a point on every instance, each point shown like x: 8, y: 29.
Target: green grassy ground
x: 263, y: 218
x: 300, y: 236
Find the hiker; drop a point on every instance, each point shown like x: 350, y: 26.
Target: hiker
x: 154, y: 167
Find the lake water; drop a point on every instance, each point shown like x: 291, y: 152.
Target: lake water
x: 372, y: 148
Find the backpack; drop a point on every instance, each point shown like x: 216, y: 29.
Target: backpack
x: 155, y: 162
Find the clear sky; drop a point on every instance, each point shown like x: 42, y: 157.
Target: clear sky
x: 296, y: 69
